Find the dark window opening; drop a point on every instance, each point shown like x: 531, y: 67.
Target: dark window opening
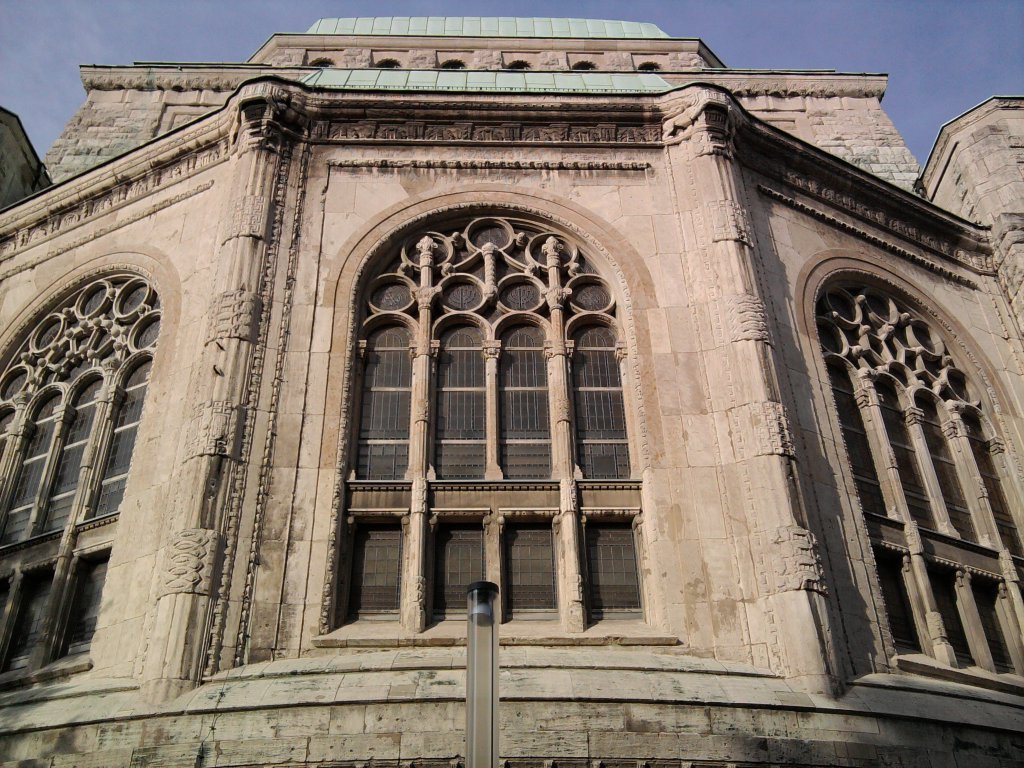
x: 611, y: 565
x: 458, y: 562
x: 376, y: 570
x: 529, y: 569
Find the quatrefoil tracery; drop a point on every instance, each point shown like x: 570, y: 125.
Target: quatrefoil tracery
x: 876, y: 333
x: 99, y: 326
x: 492, y: 268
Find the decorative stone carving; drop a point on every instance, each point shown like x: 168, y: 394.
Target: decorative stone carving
x: 727, y: 220
x: 189, y: 562
x: 747, y: 318
x: 234, y: 316
x: 249, y: 217
x: 936, y: 627
x: 790, y: 561
x: 212, y: 431
x: 761, y: 429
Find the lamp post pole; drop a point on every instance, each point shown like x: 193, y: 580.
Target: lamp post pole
x: 481, y: 676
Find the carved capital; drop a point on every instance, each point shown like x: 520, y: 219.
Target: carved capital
x: 425, y: 250
x: 913, y: 535
x: 913, y: 415
x: 189, y: 562
x: 1007, y: 566
x: 491, y: 349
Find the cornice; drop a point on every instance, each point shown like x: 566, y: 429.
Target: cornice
x: 787, y: 84
x: 167, y: 77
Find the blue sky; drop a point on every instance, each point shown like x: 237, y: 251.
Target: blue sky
x: 943, y: 57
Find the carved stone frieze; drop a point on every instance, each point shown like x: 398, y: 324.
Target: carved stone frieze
x: 727, y: 220
x: 973, y: 260
x: 464, y: 131
x: 189, y: 562
x: 511, y: 165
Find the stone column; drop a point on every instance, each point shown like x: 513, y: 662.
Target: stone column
x: 974, y: 487
x: 937, y: 637
x: 566, y: 524
x: 757, y: 454
x: 218, y: 388
x: 414, y: 582
x: 912, y: 416
x: 971, y: 620
x: 492, y: 465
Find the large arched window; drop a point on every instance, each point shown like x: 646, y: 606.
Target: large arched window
x: 947, y: 547
x: 501, y: 417
x: 71, y: 398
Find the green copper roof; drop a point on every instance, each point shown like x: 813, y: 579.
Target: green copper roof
x: 465, y: 80
x: 485, y: 26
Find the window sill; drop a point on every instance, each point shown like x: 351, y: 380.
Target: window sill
x: 21, y: 678
x: 452, y: 632
x: 920, y: 664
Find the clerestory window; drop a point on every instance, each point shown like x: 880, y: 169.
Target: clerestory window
x: 71, y: 399
x: 931, y: 478
x: 490, y: 425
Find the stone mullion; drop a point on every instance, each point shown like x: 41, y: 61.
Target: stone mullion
x: 220, y: 378
x: 918, y: 606
x: 566, y: 525
x: 97, y: 452
x: 493, y: 524
x: 974, y: 487
x: 1006, y: 615
x: 9, y: 613
x: 740, y: 369
x: 912, y: 416
x: 1011, y: 483
x: 938, y: 640
x: 881, y: 450
x: 1014, y: 598
x: 414, y: 578
x: 971, y: 620
x: 492, y: 469
x: 12, y: 458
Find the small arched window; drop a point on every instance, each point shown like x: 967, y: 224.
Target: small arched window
x: 518, y: 64
x: 388, y: 64
x: 453, y: 64
x: 71, y: 400
x: 649, y: 66
x: 584, y: 66
x: 323, y: 61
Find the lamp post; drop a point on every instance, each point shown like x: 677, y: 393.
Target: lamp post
x: 481, y: 676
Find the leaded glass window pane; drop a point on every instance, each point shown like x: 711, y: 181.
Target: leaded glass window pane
x: 897, y: 603
x: 62, y: 493
x: 461, y: 439
x: 612, y: 569
x: 906, y: 457
x: 858, y: 448
x: 600, y: 414
x: 458, y: 562
x: 386, y: 407
x: 86, y: 607
x: 525, y: 421
x: 945, y: 471
x: 376, y: 570
x: 28, y: 627
x: 30, y: 475
x: 122, y: 442
x: 529, y: 569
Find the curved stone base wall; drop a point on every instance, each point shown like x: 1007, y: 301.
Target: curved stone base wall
x: 560, y: 707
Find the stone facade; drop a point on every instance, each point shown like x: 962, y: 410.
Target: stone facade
x: 806, y: 377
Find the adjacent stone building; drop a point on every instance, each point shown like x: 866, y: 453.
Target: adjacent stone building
x: 693, y: 362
